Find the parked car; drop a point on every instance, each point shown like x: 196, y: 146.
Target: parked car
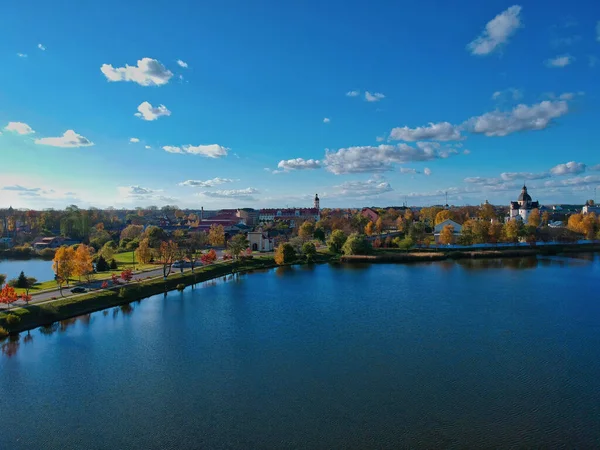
x: 78, y: 290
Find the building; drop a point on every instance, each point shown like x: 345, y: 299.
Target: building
x: 440, y: 226
x: 370, y: 214
x: 248, y: 215
x: 590, y: 208
x: 521, y: 209
x: 53, y: 242
x: 260, y: 241
x: 293, y: 216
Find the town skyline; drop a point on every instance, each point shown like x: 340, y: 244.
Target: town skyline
x: 265, y: 106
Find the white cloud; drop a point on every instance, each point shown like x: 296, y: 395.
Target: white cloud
x: 22, y: 55
x: 326, y: 120
x: 19, y: 127
x: 207, y: 183
x: 512, y: 176
x: 69, y: 139
x: 353, y: 93
x: 134, y: 140
x: 512, y: 93
x: 374, y: 97
x: 240, y: 194
x: 408, y: 170
x: 427, y: 171
x: 570, y: 168
x: 299, y: 164
x: 520, y: 118
x: 497, y: 32
x: 209, y: 151
x: 560, y: 61
x: 442, y: 131
x: 588, y: 180
x: 42, y: 47
x: 466, y: 152
x: 147, y: 147
x: 364, y: 188
x: 148, y: 112
x: 596, y: 167
x: 148, y: 72
x: 381, y: 158
x: 182, y: 63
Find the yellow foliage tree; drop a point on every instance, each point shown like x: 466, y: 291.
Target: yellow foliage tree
x: 447, y: 235
x: 379, y: 225
x: 409, y: 216
x: 443, y: 215
x: 369, y: 228
x: 510, y: 231
x: 83, y: 262
x: 216, y: 235
x: 63, y: 264
x: 534, y: 218
x: 306, y: 230
x: 144, y: 253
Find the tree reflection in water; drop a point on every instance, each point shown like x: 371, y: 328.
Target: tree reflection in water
x: 499, y: 263
x: 126, y: 309
x: 10, y: 346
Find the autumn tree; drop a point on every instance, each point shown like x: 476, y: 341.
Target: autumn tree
x: 63, y: 265
x: 155, y: 236
x: 336, y: 241
x: 144, y: 253
x: 534, y: 218
x: 192, y: 245
x: 510, y: 231
x: 495, y: 232
x: 237, y: 244
x: 428, y: 214
x: 447, y: 235
x: 486, y: 212
x: 369, y: 228
x: 306, y: 230
x: 127, y: 275
x: 409, y: 216
x: 216, y: 235
x: 8, y: 295
x: 83, y: 262
x: 400, y: 224
x: 285, y: 254
x: 443, y: 215
x: 132, y: 232
x: 379, y: 225
x: 167, y: 252
x: 209, y: 257
x: 545, y: 218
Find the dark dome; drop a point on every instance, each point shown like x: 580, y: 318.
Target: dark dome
x: 525, y: 197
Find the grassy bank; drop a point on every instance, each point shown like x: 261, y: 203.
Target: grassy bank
x: 34, y: 316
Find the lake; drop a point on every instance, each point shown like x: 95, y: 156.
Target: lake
x: 485, y: 353
x: 41, y: 269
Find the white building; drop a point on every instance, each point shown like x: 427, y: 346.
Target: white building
x: 260, y: 242
x: 588, y: 209
x: 521, y: 209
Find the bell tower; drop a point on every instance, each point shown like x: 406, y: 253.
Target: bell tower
x: 317, y: 202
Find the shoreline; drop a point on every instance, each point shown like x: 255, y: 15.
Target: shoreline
x: 44, y: 314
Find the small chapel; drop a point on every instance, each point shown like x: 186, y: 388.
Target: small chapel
x: 521, y: 209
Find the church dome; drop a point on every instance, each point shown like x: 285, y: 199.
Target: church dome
x: 524, y: 197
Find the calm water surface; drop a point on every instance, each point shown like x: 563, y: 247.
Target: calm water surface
x: 38, y: 268
x: 502, y: 353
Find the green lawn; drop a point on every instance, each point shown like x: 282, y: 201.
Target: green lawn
x: 125, y: 260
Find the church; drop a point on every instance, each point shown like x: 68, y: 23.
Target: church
x: 521, y: 209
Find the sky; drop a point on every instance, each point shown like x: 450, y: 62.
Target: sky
x: 265, y: 103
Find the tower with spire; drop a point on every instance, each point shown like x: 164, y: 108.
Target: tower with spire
x: 317, y: 202
x: 521, y: 209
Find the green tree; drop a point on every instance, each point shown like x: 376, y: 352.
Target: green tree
x: 356, y: 244
x: 102, y: 265
x: 237, y: 244
x: 417, y: 231
x: 306, y: 230
x: 285, y: 254
x: 309, y: 250
x: 2, y: 279
x: 108, y: 250
x: 336, y: 241
x: 405, y: 244
x: 319, y: 234
x: 155, y: 236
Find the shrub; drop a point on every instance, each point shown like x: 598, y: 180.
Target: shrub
x: 3, y: 332
x: 180, y: 287
x: 113, y: 264
x: 336, y: 241
x: 356, y: 244
x: 12, y: 319
x: 47, y: 253
x: 122, y: 292
x: 309, y: 250
x: 285, y: 254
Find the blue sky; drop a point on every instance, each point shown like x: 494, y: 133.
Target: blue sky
x: 366, y: 103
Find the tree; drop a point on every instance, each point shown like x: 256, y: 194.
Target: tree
x: 113, y: 264
x: 443, y: 215
x: 369, y: 228
x: 63, y: 265
x: 144, y: 252
x: 486, y: 212
x: 285, y: 254
x: 209, y: 257
x: 510, y: 231
x: 495, y: 232
x: 155, y: 236
x: 8, y: 295
x: 404, y: 244
x: 166, y: 253
x: 237, y: 244
x: 108, y: 250
x: 192, y: 245
x: 400, y: 224
x: 306, y: 230
x: 545, y: 218
x: 83, y: 262
x: 417, y: 231
x: 356, y: 244
x: 132, y: 232
x: 319, y: 234
x: 216, y: 235
x: 409, y: 216
x: 102, y: 265
x: 23, y: 282
x: 534, y: 218
x: 447, y: 235
x: 127, y: 275
x: 379, y: 225
x: 336, y: 241
x: 309, y: 250
x: 2, y: 279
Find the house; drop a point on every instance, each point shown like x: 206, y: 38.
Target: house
x: 260, y: 241
x: 521, y: 209
x: 53, y: 242
x: 370, y: 214
x: 590, y: 208
x: 440, y: 226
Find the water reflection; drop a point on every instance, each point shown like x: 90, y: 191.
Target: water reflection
x: 493, y: 263
x: 10, y: 346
